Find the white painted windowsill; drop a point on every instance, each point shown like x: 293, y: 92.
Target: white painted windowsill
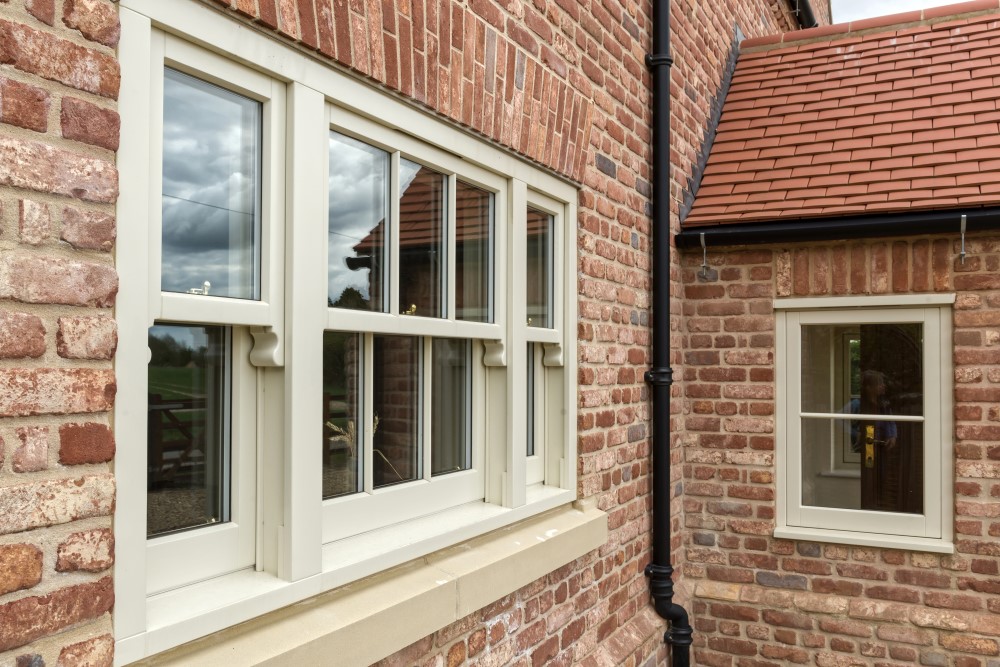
x: 429, y: 586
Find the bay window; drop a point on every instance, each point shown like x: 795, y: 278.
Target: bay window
x: 328, y: 326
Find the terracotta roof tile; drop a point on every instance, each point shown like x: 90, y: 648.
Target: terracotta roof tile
x: 875, y: 115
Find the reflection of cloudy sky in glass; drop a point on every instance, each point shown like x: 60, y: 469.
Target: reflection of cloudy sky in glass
x: 211, y: 157
x: 358, y: 202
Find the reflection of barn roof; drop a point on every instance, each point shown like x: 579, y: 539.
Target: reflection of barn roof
x: 420, y: 209
x: 856, y: 118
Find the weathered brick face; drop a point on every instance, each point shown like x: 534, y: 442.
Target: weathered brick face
x: 806, y: 603
x: 58, y: 131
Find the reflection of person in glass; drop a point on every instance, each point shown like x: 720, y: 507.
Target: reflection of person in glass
x: 872, y: 401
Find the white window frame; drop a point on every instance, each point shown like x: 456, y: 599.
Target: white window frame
x: 293, y: 559
x: 931, y: 531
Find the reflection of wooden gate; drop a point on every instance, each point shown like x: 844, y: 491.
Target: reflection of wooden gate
x: 176, y: 437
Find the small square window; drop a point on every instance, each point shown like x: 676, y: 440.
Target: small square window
x: 863, y: 429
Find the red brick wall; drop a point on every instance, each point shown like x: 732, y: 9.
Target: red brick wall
x: 58, y: 186
x: 787, y: 602
x: 564, y: 83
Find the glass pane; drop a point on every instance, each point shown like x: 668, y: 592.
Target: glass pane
x: 539, y: 269
x: 211, y: 189
x: 451, y: 407
x: 358, y: 260
x: 423, y: 196
x: 889, y: 477
x: 342, y: 391
x: 396, y: 428
x: 531, y: 400
x: 867, y: 464
x: 474, y: 255
x: 188, y: 422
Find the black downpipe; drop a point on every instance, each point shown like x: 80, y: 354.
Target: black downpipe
x: 660, y: 376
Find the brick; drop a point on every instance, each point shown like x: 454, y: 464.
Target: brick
x: 47, y: 503
x: 96, y: 652
x: 970, y: 644
x: 34, y: 222
x: 32, y: 454
x: 904, y: 634
x: 793, y: 581
x: 23, y: 105
x: 89, y: 123
x: 43, y: 10
x: 97, y: 20
x: 57, y: 59
x: 32, y: 279
x: 29, y: 391
x: 31, y: 618
x: 21, y: 335
x: 92, y: 337
x: 22, y: 567
x: 37, y: 166
x: 88, y: 230
x: 89, y: 551
x: 85, y: 443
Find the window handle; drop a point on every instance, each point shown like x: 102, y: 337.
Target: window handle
x: 412, y: 310
x: 203, y: 290
x: 869, y: 446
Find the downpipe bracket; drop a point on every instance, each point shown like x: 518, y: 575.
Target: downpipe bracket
x: 659, y: 376
x: 658, y: 59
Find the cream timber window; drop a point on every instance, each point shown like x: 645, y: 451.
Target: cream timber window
x: 864, y: 420
x: 328, y: 328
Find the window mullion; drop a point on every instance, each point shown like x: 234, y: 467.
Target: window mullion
x: 392, y: 280
x: 451, y: 239
x: 368, y: 410
x: 426, y: 376
x: 517, y: 368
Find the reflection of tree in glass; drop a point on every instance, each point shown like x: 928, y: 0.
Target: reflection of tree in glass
x: 351, y: 297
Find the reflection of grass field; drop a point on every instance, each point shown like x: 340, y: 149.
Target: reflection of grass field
x: 173, y: 383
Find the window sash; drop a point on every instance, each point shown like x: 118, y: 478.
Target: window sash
x: 375, y: 507
x: 188, y: 556
x: 171, y: 52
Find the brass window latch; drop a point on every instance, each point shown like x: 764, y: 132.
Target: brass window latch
x: 870, y: 446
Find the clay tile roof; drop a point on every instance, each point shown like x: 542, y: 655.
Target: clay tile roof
x: 895, y: 113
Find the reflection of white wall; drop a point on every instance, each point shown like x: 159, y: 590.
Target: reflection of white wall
x: 358, y: 201
x: 821, y: 438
